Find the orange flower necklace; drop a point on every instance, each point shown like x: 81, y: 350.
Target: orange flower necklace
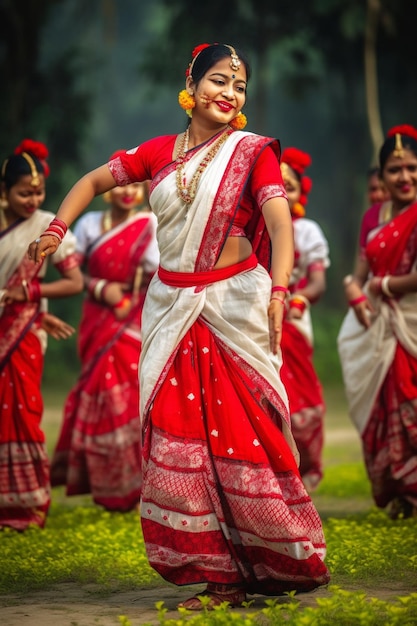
x: 187, y: 193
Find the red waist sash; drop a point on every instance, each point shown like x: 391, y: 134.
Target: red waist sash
x: 194, y: 279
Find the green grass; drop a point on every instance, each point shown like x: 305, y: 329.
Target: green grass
x: 366, y: 551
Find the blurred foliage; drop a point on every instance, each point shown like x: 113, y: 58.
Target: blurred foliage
x: 90, y: 78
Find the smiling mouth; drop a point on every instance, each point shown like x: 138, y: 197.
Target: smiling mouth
x: 224, y: 106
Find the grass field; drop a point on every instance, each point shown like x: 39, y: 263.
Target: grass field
x: 89, y: 567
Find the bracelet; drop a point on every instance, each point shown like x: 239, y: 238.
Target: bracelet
x: 278, y: 299
x: 57, y: 228
x: 123, y: 303
x: 300, y: 299
x: 348, y: 279
x: 25, y: 289
x: 279, y: 288
x: 358, y: 300
x: 299, y: 302
x: 385, y: 287
x: 98, y: 289
x: 34, y: 291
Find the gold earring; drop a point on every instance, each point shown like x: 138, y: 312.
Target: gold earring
x: 4, y: 203
x: 107, y: 197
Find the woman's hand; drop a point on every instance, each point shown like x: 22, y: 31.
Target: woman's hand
x: 14, y: 294
x: 42, y: 247
x: 113, y: 293
x: 57, y: 328
x: 275, y: 314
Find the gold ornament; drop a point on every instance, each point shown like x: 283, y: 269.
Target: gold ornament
x: 35, y: 182
x: 187, y: 193
x: 235, y: 62
x: 4, y: 203
x: 399, y: 150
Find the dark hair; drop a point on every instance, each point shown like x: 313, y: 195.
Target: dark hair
x: 210, y: 56
x: 373, y: 171
x: 388, y: 147
x: 18, y: 166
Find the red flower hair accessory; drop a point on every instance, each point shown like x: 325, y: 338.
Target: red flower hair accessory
x: 194, y: 55
x: 298, y: 161
x: 403, y: 129
x: 37, y: 149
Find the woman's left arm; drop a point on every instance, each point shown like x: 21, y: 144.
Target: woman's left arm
x: 70, y: 283
x: 278, y: 221
x: 392, y: 286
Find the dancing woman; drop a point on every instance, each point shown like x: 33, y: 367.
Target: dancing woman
x: 378, y: 338
x: 98, y: 449
x: 307, y: 285
x: 24, y: 324
x: 222, y: 502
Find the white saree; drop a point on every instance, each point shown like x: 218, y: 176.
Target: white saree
x: 236, y: 317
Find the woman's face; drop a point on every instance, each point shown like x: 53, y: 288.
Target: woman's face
x: 376, y: 190
x: 126, y: 197
x: 400, y: 177
x: 221, y: 93
x: 23, y: 198
x: 292, y: 186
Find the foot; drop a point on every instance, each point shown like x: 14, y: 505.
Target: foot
x: 217, y: 594
x: 400, y: 508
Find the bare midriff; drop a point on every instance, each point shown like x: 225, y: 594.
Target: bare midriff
x: 235, y: 250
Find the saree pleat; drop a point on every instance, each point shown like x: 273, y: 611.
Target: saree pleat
x: 260, y: 527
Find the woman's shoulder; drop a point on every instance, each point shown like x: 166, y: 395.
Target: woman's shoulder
x: 158, y: 142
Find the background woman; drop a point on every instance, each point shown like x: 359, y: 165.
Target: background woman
x: 24, y: 468
x: 222, y: 499
x: 307, y: 284
x: 376, y: 192
x: 378, y: 339
x: 98, y: 449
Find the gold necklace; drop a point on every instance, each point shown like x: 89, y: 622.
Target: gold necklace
x: 187, y: 193
x: 107, y: 222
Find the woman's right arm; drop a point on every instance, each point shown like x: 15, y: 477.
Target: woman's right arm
x: 75, y: 202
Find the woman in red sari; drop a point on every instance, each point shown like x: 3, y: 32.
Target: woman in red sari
x: 222, y: 501
x: 98, y: 450
x: 378, y: 339
x: 307, y: 284
x: 24, y: 322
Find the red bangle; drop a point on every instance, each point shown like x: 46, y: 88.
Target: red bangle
x: 279, y: 288
x: 278, y: 299
x: 34, y: 290
x: 298, y: 304
x: 356, y: 301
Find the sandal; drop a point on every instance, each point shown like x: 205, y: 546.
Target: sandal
x: 234, y: 596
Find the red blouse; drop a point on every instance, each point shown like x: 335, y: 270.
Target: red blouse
x: 147, y: 159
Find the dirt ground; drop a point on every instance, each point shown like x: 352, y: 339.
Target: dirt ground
x: 71, y: 605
